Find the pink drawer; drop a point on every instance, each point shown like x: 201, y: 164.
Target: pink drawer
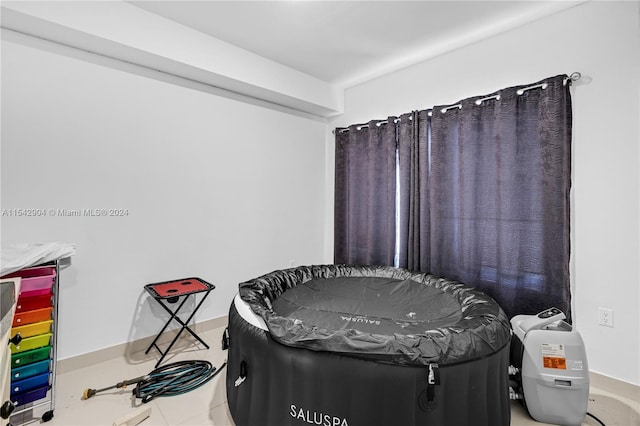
x: 34, y: 279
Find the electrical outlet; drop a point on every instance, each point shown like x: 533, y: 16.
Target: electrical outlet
x: 605, y: 317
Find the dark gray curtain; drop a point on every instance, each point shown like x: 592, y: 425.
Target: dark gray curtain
x: 365, y: 193
x: 413, y: 160
x: 499, y: 196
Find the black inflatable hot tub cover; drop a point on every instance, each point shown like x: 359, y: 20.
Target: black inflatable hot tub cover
x: 473, y: 324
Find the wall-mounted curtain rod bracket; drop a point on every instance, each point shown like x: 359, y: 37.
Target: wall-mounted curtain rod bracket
x: 574, y: 76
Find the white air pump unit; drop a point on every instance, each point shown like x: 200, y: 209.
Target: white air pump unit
x: 549, y: 369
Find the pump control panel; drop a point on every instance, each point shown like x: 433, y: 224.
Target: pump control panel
x: 551, y: 312
x: 546, y: 317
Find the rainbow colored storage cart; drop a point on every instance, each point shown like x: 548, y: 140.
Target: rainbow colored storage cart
x: 33, y: 344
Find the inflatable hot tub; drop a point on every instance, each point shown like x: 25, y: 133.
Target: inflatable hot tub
x: 366, y: 346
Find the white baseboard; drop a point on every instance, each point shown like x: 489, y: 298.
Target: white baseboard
x: 135, y: 350
x: 615, y: 386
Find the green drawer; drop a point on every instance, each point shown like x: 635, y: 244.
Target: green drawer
x: 27, y: 357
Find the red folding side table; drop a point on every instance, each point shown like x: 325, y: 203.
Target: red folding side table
x: 169, y: 292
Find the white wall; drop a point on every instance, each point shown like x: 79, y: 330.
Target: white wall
x: 214, y: 188
x: 600, y: 40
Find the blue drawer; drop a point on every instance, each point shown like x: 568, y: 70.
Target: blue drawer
x: 25, y: 385
x: 30, y: 395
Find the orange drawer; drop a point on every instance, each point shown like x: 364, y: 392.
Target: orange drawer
x: 32, y: 329
x: 29, y: 317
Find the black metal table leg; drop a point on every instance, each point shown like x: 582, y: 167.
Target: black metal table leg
x: 156, y: 291
x: 173, y: 315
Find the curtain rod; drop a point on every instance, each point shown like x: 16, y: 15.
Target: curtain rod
x: 574, y: 76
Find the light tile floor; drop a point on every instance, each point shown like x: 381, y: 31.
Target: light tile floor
x: 207, y: 405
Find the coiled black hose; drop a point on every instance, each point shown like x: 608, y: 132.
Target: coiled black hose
x: 175, y: 379
x: 169, y: 380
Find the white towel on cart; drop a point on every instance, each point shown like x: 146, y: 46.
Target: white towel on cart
x: 18, y: 256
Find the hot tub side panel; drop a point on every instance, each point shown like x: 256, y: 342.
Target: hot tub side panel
x: 293, y: 386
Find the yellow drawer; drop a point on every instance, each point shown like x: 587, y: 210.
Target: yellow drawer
x: 32, y: 329
x: 31, y: 343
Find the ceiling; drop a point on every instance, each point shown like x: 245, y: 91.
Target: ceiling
x: 348, y: 42
x: 295, y: 56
